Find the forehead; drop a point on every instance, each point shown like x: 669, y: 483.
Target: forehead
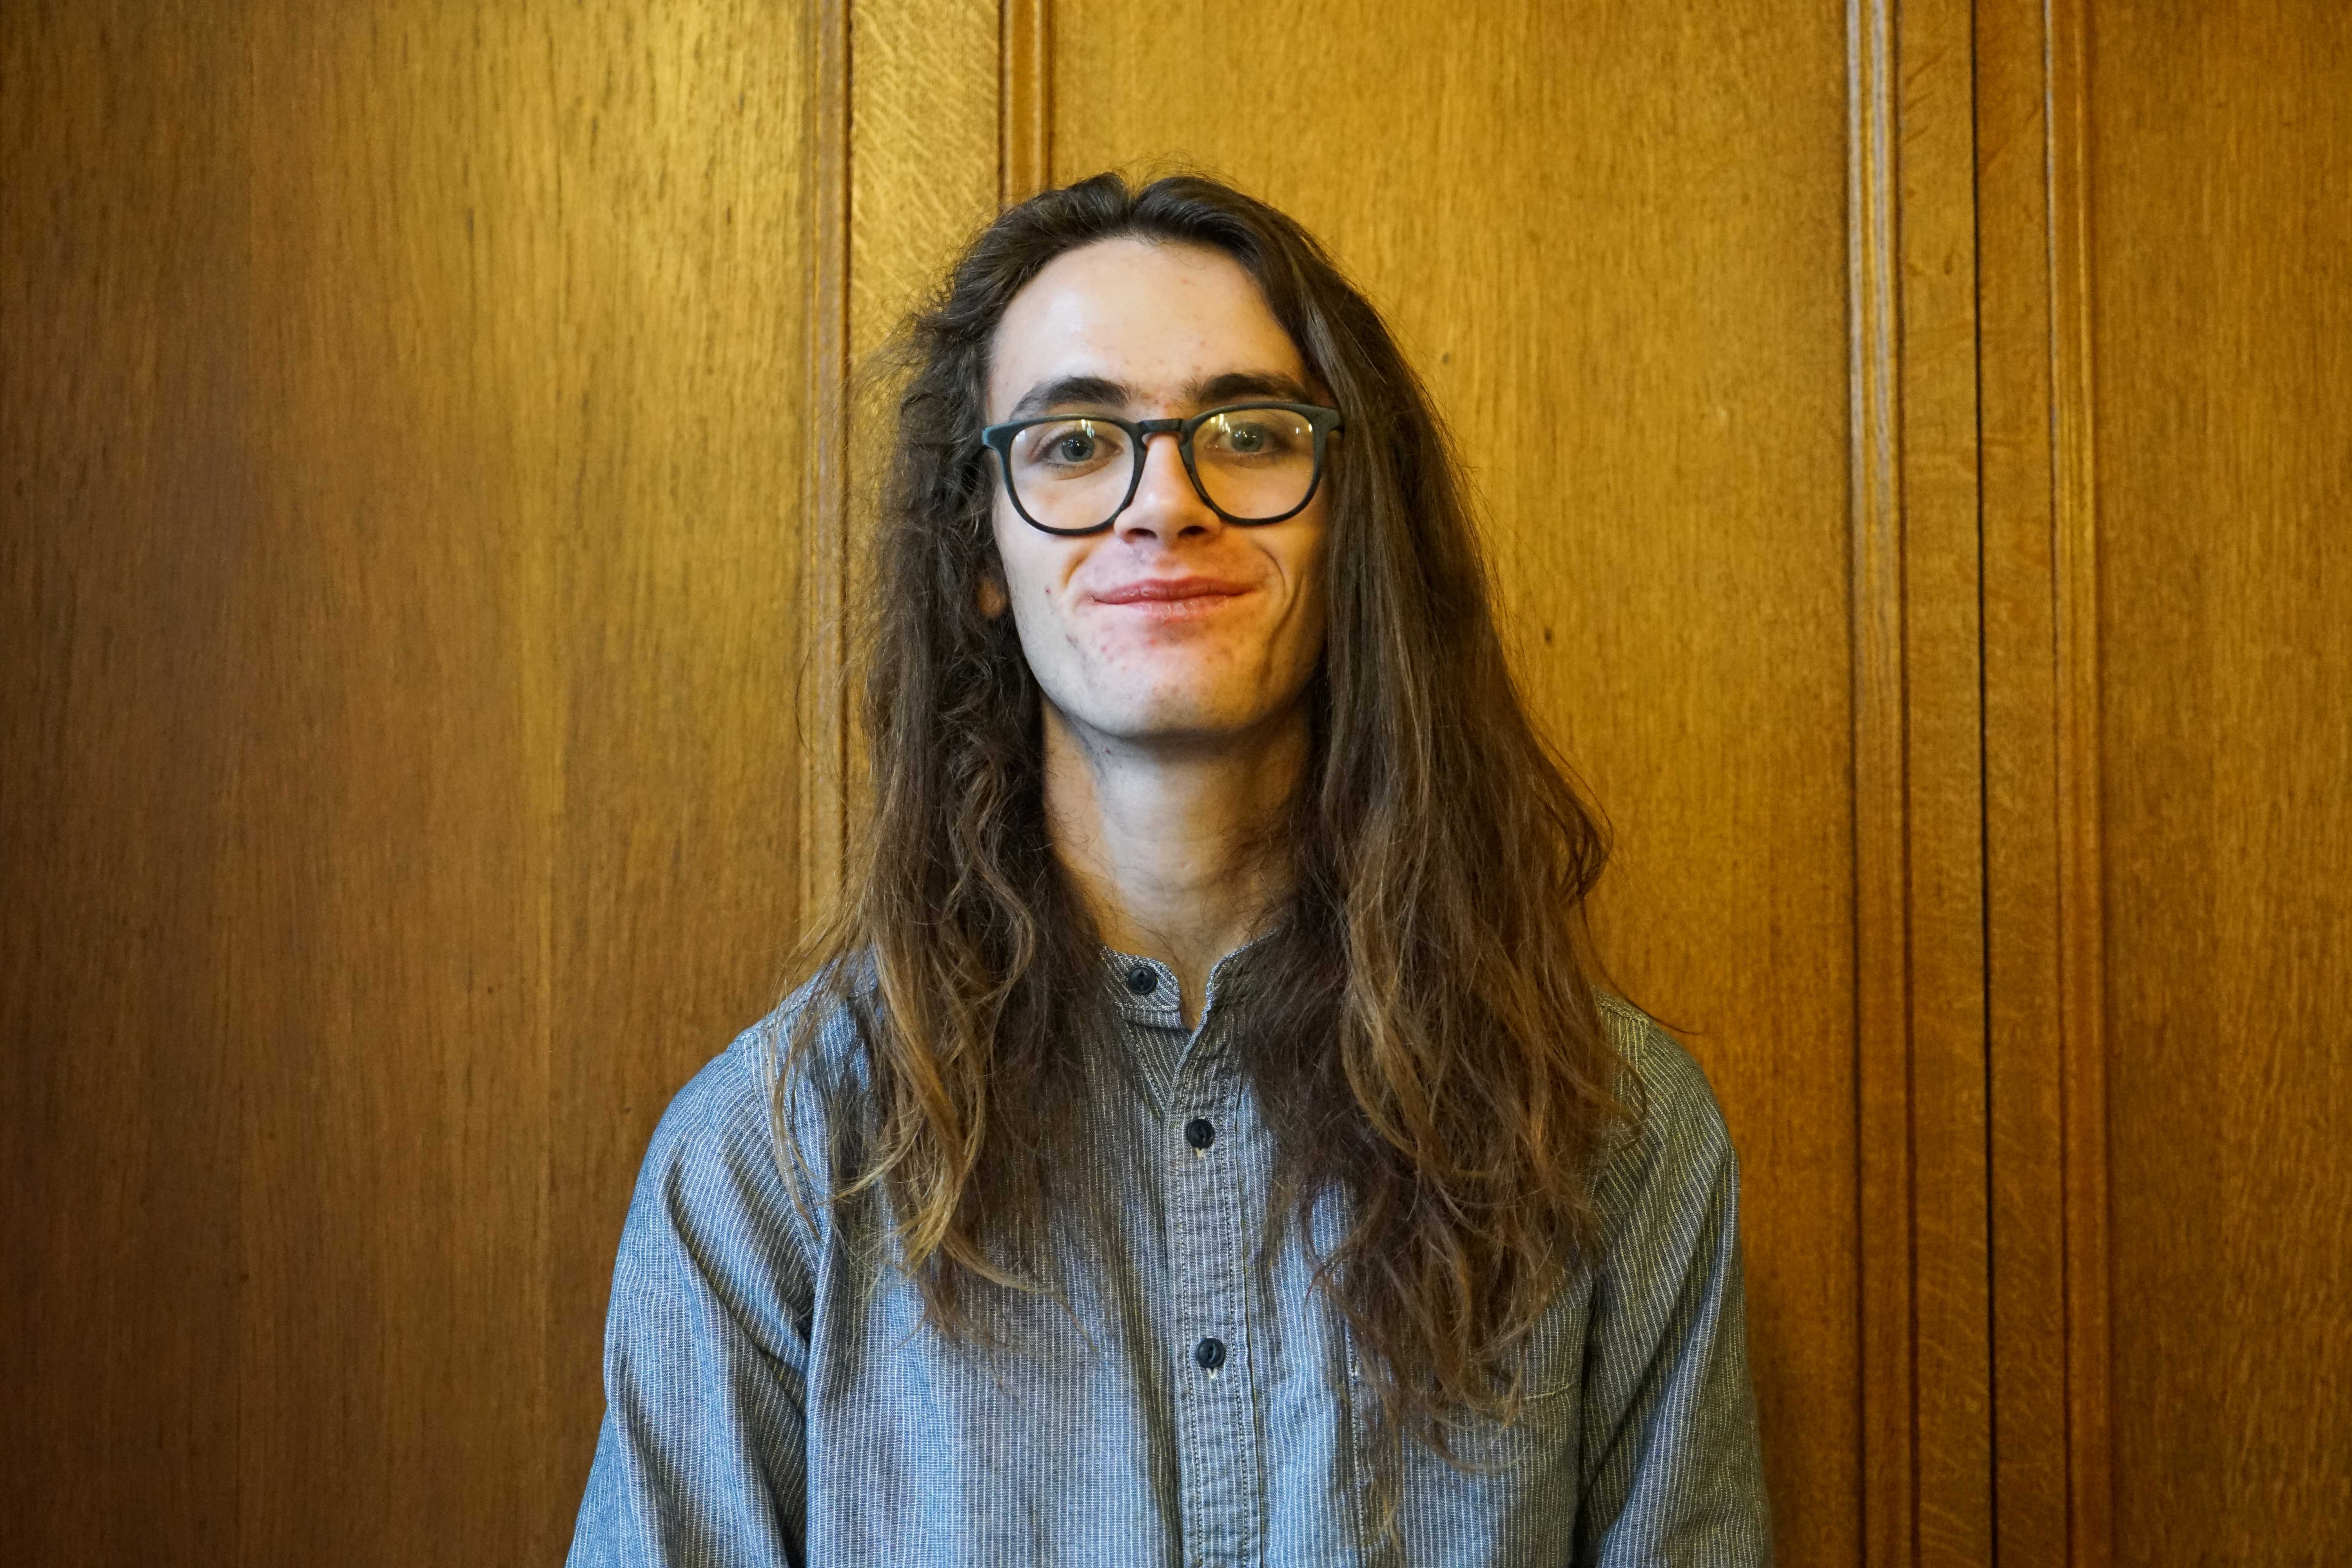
x: 1153, y: 317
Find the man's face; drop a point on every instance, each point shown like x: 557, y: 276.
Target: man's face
x: 1227, y: 638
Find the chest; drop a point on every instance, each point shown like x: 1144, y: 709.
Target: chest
x: 1184, y: 1394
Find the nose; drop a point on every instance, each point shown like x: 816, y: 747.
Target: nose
x: 1166, y: 507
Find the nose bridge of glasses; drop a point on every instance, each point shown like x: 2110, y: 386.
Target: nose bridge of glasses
x: 1145, y: 429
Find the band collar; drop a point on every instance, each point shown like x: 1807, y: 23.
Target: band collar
x: 1145, y: 988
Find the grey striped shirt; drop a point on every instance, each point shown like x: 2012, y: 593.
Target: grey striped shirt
x: 772, y: 1395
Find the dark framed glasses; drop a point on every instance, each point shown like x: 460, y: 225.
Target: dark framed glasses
x: 1252, y: 462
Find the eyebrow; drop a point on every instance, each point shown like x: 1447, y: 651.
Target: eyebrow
x: 1099, y: 392
x: 1236, y: 384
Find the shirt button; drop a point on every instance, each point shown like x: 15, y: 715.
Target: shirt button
x: 1142, y: 981
x: 1210, y: 1353
x: 1200, y: 1134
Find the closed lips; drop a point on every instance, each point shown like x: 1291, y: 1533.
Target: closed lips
x: 1164, y: 590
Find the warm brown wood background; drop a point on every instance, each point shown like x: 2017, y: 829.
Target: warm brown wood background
x: 1919, y: 468
x: 403, y: 430
x: 2220, y: 247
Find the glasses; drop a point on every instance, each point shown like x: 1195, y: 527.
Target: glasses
x: 1074, y: 473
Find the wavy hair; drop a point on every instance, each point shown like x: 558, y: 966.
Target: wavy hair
x: 1421, y: 1022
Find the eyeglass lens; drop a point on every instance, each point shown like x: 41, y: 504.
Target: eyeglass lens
x: 1252, y: 464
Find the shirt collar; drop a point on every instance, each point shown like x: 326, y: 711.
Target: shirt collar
x: 1157, y: 1003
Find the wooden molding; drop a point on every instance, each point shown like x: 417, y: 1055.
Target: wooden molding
x: 1938, y: 437
x: 1025, y: 100
x: 1881, y: 936
x: 2082, y: 929
x: 1919, y: 781
x: 822, y: 709
x: 2046, y: 924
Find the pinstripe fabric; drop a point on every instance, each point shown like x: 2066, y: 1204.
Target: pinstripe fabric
x: 773, y: 1396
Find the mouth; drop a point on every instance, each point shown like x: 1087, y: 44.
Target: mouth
x: 1172, y: 597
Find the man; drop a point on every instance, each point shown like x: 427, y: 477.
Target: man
x: 1202, y: 1140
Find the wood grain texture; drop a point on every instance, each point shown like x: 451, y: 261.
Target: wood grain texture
x: 1939, y: 699
x: 2219, y: 249
x: 123, y: 294
x: 916, y: 102
x: 821, y: 679
x: 2082, y: 929
x: 389, y: 917
x: 924, y: 159
x: 1882, y: 934
x: 1918, y: 850
x: 1613, y: 240
x: 1025, y: 99
x: 907, y: 117
x: 2027, y: 1041
x: 669, y: 211
x: 405, y: 559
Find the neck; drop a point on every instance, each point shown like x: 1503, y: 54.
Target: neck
x: 1175, y: 848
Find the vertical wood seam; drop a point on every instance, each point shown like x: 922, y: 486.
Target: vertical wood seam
x: 822, y: 709
x: 1024, y: 99
x: 1976, y: 351
x: 2026, y: 1052
x: 1886, y: 1177
x: 2081, y: 915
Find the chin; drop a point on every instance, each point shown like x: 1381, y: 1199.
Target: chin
x: 1178, y: 711
x: 1177, y: 721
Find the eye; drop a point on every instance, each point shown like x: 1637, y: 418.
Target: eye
x: 1261, y: 433
x: 1069, y: 449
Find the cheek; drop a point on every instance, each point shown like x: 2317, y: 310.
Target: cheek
x: 1307, y: 636
x: 1310, y: 570
x: 1017, y: 557
x: 1035, y: 568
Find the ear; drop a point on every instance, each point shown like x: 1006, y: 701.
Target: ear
x: 990, y: 594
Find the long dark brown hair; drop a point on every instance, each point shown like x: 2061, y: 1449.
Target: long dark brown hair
x: 1421, y: 1022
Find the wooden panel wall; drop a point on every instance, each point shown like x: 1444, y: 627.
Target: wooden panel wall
x: 2046, y: 1201
x: 908, y: 159
x: 1926, y: 1440
x: 128, y: 488
x: 2168, y: 473
x: 399, y: 555
x: 2221, y: 271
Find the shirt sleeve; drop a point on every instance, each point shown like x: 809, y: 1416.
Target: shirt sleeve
x: 701, y: 1457
x: 1673, y: 1463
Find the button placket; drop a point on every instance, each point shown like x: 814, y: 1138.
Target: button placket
x: 1220, y: 1511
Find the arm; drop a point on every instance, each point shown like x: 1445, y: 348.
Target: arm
x: 1672, y: 1467
x: 702, y: 1458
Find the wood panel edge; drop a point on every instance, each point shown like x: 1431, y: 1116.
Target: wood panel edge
x: 1881, y: 986
x: 2082, y: 930
x: 822, y: 696
x: 1025, y: 99
x: 1939, y: 576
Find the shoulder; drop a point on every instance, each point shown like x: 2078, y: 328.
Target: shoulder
x: 776, y: 1094
x: 1667, y: 1088
x: 1679, y: 1145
